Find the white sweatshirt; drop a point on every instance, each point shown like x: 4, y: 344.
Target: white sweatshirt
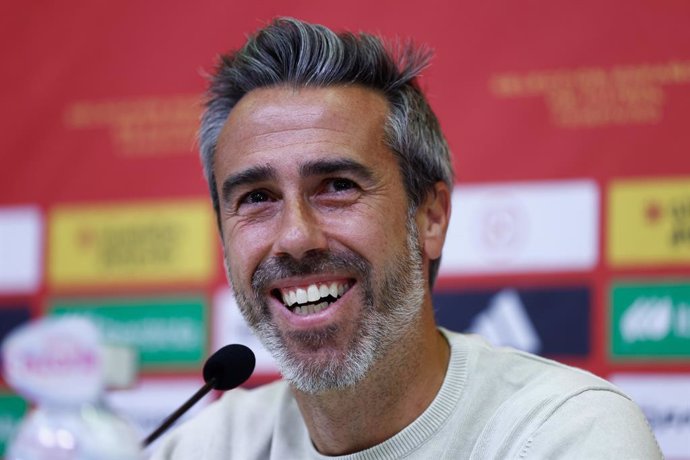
x: 495, y: 403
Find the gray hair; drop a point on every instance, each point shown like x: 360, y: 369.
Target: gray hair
x: 292, y: 52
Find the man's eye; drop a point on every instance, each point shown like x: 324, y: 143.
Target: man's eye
x: 340, y: 185
x: 254, y: 197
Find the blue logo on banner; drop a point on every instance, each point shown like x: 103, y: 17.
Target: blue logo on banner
x: 548, y: 321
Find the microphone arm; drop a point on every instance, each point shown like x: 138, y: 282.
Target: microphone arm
x: 227, y: 368
x: 172, y: 418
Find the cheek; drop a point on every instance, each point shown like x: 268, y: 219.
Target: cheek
x: 244, y: 251
x: 375, y: 236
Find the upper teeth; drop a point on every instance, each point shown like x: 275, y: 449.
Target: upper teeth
x: 313, y: 292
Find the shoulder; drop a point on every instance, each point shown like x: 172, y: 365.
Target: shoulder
x: 593, y: 424
x: 226, y: 425
x: 544, y: 409
x: 514, y: 371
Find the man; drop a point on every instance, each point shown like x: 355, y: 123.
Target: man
x: 331, y: 182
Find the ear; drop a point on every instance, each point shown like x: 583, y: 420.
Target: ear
x: 433, y: 216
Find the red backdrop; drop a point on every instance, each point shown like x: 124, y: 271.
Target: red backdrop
x: 100, y: 101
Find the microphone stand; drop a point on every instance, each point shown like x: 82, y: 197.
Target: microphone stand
x: 172, y: 418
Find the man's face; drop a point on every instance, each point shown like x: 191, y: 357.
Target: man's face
x: 322, y: 255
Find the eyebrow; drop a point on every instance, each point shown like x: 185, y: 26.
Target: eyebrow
x: 248, y: 176
x: 264, y: 173
x: 338, y: 165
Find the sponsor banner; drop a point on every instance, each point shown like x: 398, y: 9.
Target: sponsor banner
x: 650, y: 320
x: 12, y: 410
x: 151, y: 401
x: 142, y: 126
x: 131, y: 243
x: 595, y: 96
x: 168, y: 332
x: 522, y: 227
x: 649, y: 222
x: 665, y: 401
x: 229, y: 327
x: 548, y: 321
x: 21, y: 249
x: 11, y: 316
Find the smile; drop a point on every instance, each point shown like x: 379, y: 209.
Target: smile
x: 313, y: 298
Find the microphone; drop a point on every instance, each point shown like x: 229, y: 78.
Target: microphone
x: 226, y: 369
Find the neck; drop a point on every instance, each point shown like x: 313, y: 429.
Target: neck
x: 400, y: 386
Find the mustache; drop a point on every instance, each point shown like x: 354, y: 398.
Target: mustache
x: 312, y: 263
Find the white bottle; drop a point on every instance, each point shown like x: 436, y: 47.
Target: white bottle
x: 57, y: 363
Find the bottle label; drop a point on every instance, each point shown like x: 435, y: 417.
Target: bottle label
x: 55, y: 361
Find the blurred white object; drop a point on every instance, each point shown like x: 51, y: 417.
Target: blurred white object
x: 55, y: 361
x: 58, y: 363
x: 120, y: 366
x: 87, y: 432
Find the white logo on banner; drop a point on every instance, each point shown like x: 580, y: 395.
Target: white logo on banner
x: 665, y: 401
x: 229, y: 327
x: 647, y: 319
x: 523, y: 227
x: 506, y: 323
x: 20, y: 249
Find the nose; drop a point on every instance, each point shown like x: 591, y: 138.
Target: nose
x: 300, y: 230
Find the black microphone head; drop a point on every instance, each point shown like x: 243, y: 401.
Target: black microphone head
x: 229, y: 367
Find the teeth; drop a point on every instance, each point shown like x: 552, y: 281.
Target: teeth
x: 310, y: 309
x: 289, y: 298
x: 324, y: 291
x: 301, y: 296
x: 312, y: 293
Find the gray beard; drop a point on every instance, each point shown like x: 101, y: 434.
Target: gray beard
x: 391, y: 310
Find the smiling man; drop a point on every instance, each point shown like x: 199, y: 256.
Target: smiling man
x: 331, y: 182
x: 312, y: 199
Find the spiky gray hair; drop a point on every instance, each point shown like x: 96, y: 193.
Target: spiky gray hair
x: 294, y: 53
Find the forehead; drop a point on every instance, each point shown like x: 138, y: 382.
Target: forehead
x: 288, y: 121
